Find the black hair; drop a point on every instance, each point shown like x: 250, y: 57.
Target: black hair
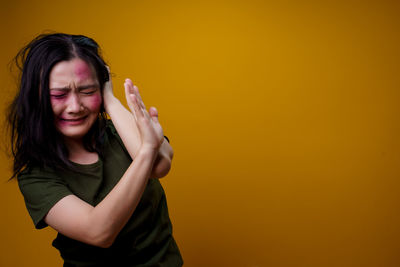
x: 34, y: 138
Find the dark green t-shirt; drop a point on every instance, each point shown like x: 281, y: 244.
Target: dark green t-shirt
x: 146, y: 240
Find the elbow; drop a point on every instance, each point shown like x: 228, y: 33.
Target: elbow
x: 165, y: 168
x: 103, y: 242
x: 161, y: 168
x: 162, y: 165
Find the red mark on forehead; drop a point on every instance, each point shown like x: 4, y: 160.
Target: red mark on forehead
x: 82, y: 70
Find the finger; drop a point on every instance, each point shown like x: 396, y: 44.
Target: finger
x: 137, y: 110
x: 128, y: 92
x: 145, y: 112
x: 131, y: 89
x: 134, y: 102
x: 129, y: 83
x: 136, y: 90
x: 153, y: 114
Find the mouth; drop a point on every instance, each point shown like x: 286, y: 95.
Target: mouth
x: 72, y: 121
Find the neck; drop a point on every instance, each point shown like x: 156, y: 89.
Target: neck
x: 78, y: 153
x: 74, y: 144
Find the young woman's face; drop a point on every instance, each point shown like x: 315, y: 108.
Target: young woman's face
x: 75, y: 97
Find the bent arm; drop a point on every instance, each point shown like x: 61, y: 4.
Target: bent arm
x: 125, y: 125
x: 100, y: 225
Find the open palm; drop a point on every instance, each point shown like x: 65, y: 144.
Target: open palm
x: 150, y: 130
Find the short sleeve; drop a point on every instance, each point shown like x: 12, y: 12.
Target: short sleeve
x: 113, y: 132
x: 41, y: 192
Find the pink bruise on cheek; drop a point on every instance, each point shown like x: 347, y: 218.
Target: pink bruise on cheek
x: 95, y: 101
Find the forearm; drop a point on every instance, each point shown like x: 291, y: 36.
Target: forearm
x: 101, y: 224
x: 108, y: 218
x: 125, y: 125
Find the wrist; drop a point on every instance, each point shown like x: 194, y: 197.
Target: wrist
x: 148, y: 151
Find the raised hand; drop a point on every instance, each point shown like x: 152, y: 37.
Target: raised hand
x: 150, y: 130
x: 126, y: 123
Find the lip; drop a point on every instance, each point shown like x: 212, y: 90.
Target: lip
x: 72, y: 121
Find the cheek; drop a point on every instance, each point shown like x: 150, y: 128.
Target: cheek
x: 94, y: 102
x: 57, y: 105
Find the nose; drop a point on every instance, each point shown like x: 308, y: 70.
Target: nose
x: 74, y: 104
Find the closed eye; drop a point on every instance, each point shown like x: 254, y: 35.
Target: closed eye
x: 58, y: 95
x: 88, y: 89
x: 88, y: 92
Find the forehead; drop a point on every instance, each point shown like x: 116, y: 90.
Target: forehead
x: 72, y: 71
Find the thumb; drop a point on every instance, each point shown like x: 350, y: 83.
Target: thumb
x: 153, y: 114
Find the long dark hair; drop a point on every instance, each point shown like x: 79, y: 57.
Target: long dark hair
x: 34, y: 138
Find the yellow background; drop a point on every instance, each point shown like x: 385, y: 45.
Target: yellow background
x: 284, y: 117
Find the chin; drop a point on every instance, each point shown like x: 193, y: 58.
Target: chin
x: 76, y: 132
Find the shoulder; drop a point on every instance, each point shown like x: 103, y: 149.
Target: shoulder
x: 35, y: 182
x: 41, y: 188
x: 36, y: 171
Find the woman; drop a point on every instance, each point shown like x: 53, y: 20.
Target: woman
x: 91, y: 179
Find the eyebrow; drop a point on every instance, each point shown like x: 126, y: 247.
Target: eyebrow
x: 83, y: 87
